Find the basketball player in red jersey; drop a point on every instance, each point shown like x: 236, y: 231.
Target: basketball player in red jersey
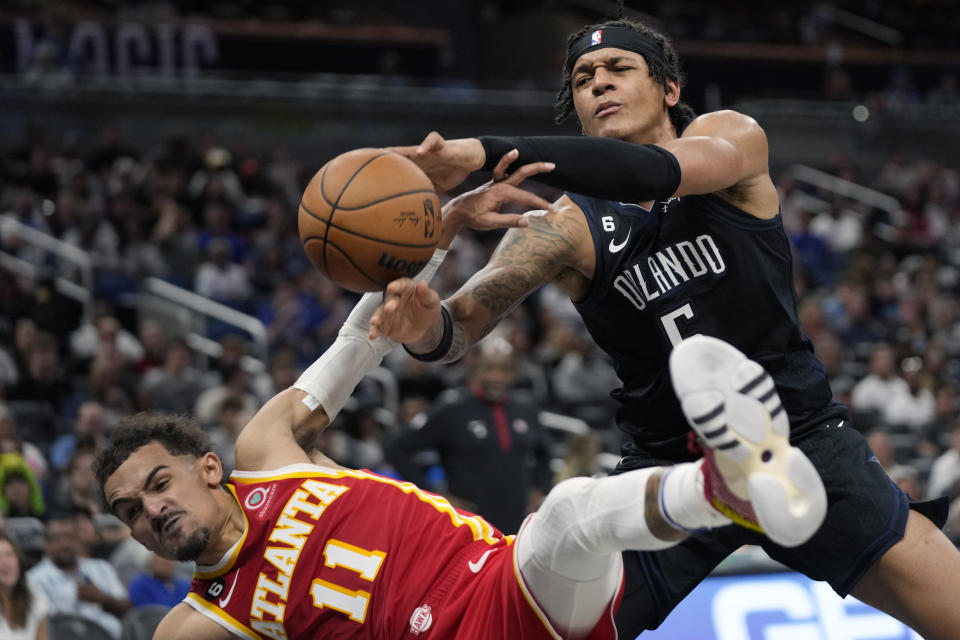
x: 299, y: 547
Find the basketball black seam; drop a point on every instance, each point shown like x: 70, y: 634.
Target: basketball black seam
x: 390, y: 197
x: 359, y: 235
x: 333, y: 205
x: 349, y: 259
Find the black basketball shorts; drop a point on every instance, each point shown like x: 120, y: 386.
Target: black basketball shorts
x: 867, y: 515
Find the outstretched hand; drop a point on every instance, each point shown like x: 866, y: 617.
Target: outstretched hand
x: 480, y: 208
x: 408, y: 311
x: 446, y: 162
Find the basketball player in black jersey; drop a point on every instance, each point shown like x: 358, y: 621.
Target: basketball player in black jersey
x: 670, y: 227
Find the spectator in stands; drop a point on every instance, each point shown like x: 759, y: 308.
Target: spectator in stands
x: 75, y: 584
x: 111, y: 382
x: 20, y: 493
x: 857, y: 327
x: 77, y: 488
x: 837, y: 362
x: 882, y: 447
x: 840, y: 227
x: 489, y: 438
x: 222, y: 280
x: 282, y: 372
x: 873, y: 394
x: 89, y: 339
x: 581, y: 458
x: 358, y: 437
x: 52, y: 310
x: 519, y: 331
x: 935, y: 432
x: 24, y: 335
x: 900, y: 91
x: 158, y: 584
x: 236, y: 384
x: 43, y: 380
x: 9, y: 374
x: 945, y: 93
x: 907, y: 478
x: 915, y: 407
x: 287, y: 315
x: 173, y: 388
x: 89, y: 426
x: 176, y: 235
x: 11, y: 442
x: 95, y: 234
x: 278, y: 255
x: 23, y: 610
x: 232, y: 416
x: 582, y: 380
x: 945, y: 472
x: 219, y: 224
x: 154, y: 340
x: 216, y: 178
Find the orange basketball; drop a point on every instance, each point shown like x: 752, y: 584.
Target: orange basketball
x: 367, y: 217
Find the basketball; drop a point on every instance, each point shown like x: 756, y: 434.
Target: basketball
x: 367, y: 217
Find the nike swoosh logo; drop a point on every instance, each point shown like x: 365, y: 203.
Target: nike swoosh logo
x: 476, y: 566
x: 614, y: 247
x: 224, y: 601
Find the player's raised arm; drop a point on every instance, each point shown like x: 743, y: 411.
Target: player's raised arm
x: 276, y: 436
x: 273, y: 437
x: 549, y: 248
x: 716, y: 152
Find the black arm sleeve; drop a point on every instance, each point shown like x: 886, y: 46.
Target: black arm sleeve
x: 594, y: 166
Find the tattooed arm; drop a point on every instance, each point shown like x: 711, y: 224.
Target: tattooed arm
x: 556, y: 246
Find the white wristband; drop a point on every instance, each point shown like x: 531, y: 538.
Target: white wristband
x: 330, y: 380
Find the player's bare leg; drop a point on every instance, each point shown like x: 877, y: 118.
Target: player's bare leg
x: 752, y: 473
x: 917, y: 581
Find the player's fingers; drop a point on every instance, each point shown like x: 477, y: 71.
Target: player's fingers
x: 506, y: 220
x: 510, y: 193
x: 500, y: 171
x: 374, y: 331
x: 376, y: 322
x: 396, y: 287
x: 426, y: 296
x: 431, y: 143
x: 385, y: 318
x: 528, y: 170
x: 406, y: 152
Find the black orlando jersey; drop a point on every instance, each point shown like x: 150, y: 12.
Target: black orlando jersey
x: 691, y: 265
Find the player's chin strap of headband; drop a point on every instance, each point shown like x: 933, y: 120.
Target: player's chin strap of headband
x: 618, y: 37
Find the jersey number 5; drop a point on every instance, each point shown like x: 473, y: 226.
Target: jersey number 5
x: 361, y: 561
x: 669, y: 321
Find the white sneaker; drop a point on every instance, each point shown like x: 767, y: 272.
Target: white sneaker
x: 751, y: 472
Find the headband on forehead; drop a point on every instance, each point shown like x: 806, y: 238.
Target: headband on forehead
x: 618, y: 37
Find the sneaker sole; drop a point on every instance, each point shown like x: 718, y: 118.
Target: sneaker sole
x: 732, y: 404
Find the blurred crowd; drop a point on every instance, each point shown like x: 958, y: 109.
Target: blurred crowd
x: 878, y: 294
x: 926, y: 24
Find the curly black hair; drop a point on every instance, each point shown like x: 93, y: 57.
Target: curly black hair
x: 680, y: 114
x: 180, y: 435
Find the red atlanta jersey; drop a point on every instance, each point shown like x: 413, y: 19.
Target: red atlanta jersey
x: 350, y: 554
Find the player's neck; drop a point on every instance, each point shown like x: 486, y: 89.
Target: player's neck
x: 660, y: 133
x: 230, y: 530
